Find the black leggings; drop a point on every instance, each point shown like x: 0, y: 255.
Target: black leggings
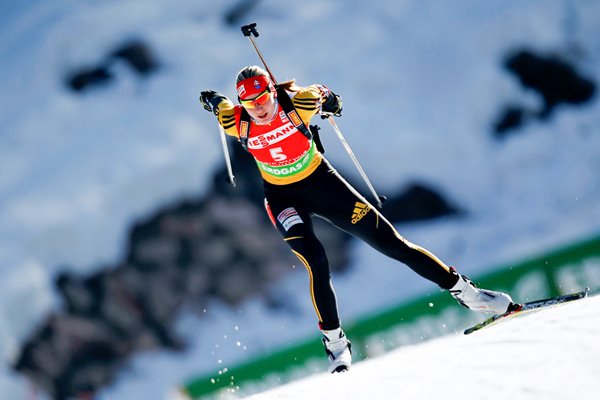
x: 327, y: 195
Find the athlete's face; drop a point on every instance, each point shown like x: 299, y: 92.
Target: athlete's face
x: 260, y: 107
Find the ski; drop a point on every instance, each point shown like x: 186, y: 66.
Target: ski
x: 518, y: 309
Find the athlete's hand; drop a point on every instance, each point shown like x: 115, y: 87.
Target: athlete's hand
x: 332, y: 105
x: 210, y: 100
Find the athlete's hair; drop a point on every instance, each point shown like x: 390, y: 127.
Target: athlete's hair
x: 254, y: 70
x: 250, y: 72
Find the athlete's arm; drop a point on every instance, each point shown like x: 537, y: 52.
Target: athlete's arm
x: 226, y: 117
x: 307, y: 102
x: 223, y: 108
x: 314, y: 99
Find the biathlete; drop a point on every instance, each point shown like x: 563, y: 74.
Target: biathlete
x: 299, y: 183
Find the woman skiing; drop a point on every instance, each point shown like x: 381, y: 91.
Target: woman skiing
x: 299, y: 183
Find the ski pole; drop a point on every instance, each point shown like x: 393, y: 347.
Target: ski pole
x: 249, y: 30
x: 226, y: 155
x: 379, y: 199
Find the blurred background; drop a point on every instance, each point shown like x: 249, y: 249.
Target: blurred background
x: 129, y: 265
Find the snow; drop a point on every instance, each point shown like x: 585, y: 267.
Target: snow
x: 421, y: 83
x: 551, y: 354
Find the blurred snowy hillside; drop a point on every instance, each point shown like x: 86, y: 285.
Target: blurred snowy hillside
x: 423, y: 84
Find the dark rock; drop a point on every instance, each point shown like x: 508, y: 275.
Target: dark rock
x: 70, y: 354
x: 135, y: 53
x: 553, y: 78
x: 418, y: 202
x: 512, y: 117
x: 138, y: 55
x: 556, y: 81
x: 85, y: 78
x: 239, y: 12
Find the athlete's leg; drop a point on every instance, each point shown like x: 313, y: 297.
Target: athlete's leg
x: 338, y: 202
x: 294, y: 224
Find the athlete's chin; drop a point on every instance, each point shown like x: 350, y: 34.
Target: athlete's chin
x: 262, y: 117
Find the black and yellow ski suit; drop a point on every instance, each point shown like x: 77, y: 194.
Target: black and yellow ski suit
x: 299, y: 184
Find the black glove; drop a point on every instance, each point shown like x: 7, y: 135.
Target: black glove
x: 210, y: 100
x: 332, y: 104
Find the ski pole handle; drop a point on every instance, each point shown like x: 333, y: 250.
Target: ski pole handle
x: 250, y: 29
x: 226, y: 155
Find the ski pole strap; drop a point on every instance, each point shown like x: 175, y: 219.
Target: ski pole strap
x: 314, y: 129
x: 288, y: 108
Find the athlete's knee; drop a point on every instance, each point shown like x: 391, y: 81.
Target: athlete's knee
x: 311, y: 252
x: 316, y: 252
x: 387, y: 241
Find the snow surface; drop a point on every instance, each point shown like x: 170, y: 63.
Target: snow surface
x: 422, y: 85
x: 551, y: 354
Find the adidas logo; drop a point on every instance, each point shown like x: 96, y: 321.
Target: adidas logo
x: 360, y: 210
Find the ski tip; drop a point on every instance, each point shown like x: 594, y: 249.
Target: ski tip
x: 515, y: 308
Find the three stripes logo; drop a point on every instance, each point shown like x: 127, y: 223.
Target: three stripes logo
x: 360, y: 210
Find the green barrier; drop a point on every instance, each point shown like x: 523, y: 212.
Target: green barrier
x: 568, y: 269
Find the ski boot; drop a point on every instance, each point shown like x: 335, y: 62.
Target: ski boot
x: 488, y: 301
x: 338, y: 349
